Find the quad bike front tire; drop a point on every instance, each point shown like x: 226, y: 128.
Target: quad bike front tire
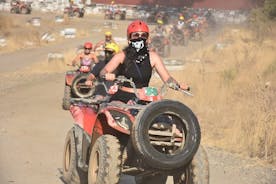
x: 66, y: 98
x: 197, y: 172
x: 82, y: 92
x: 182, y: 117
x: 105, y: 161
x: 71, y: 174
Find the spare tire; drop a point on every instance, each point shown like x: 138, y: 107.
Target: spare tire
x: 79, y: 89
x: 166, y: 134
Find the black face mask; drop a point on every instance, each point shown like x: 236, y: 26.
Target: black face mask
x: 139, y: 45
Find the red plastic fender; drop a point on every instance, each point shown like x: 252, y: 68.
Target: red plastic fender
x: 85, y: 117
x: 69, y: 78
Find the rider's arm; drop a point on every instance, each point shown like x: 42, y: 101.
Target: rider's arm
x: 98, y: 45
x: 76, y: 60
x: 112, y: 65
x: 158, y: 64
x: 94, y: 58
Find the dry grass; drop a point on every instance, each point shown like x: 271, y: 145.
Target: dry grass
x: 235, y: 92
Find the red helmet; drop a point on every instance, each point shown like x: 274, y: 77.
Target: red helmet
x: 137, y: 26
x: 88, y: 45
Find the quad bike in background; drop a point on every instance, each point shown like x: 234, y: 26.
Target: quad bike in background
x: 74, y: 85
x: 195, y: 31
x: 74, y: 11
x: 149, y: 138
x: 116, y: 15
x: 20, y: 7
x: 178, y: 37
x: 160, y: 44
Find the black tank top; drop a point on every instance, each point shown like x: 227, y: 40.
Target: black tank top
x: 140, y: 72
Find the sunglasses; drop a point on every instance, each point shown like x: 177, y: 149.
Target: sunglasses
x: 139, y: 35
x: 87, y: 48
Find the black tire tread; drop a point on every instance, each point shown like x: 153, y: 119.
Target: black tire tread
x: 66, y: 98
x: 137, y: 138
x: 110, y: 170
x: 73, y: 176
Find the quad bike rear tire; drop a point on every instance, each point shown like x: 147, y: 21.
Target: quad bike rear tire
x: 190, y: 130
x: 71, y: 174
x: 66, y: 98
x: 197, y: 171
x: 82, y: 93
x: 105, y: 161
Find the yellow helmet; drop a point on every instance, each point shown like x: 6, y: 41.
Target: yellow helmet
x: 112, y: 47
x: 181, y: 17
x: 108, y: 33
x: 159, y: 21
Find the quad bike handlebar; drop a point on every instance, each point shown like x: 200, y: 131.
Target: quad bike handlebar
x: 119, y: 80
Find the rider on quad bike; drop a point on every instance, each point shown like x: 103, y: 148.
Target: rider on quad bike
x: 150, y: 138
x: 75, y: 79
x: 137, y: 62
x: 110, y: 50
x: 86, y: 58
x: 100, y: 46
x: 159, y: 41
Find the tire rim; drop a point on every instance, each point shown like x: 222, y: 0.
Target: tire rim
x: 168, y: 137
x: 82, y: 90
x: 67, y: 156
x: 95, y: 167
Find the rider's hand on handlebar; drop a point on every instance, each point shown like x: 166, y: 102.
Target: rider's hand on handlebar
x: 185, y: 87
x: 110, y: 76
x: 88, y: 82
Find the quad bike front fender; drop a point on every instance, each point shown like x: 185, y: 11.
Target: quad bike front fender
x: 69, y: 78
x: 122, y: 123
x: 85, y: 117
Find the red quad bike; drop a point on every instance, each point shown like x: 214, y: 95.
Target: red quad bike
x: 195, y: 31
x: 74, y: 85
x: 116, y: 15
x: 161, y: 45
x: 150, y: 139
x: 74, y: 11
x: 178, y: 37
x: 20, y: 7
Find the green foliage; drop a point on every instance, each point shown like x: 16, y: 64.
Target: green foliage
x: 228, y: 76
x: 270, y: 8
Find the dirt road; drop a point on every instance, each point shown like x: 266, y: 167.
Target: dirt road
x: 33, y: 127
